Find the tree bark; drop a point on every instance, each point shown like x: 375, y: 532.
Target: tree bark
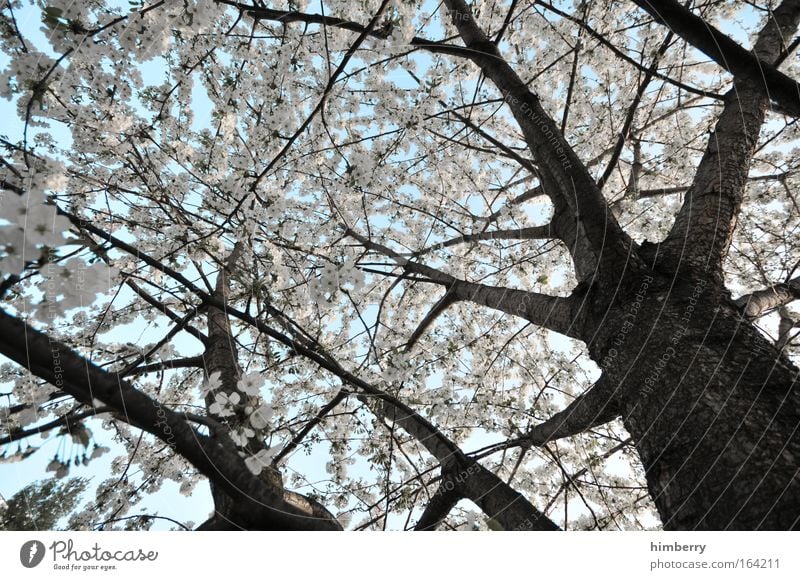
x: 712, y: 405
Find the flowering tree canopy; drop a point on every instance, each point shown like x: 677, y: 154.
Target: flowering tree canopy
x: 394, y: 264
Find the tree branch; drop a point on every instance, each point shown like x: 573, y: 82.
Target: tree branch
x: 729, y: 54
x: 557, y: 161
x: 703, y: 228
x: 785, y: 326
x: 594, y: 407
x: 289, y: 16
x: 472, y: 480
x: 529, y: 233
x: 759, y: 302
x: 485, y: 488
x: 552, y: 312
x: 621, y: 55
x: 441, y: 504
x: 527, y: 195
x: 325, y: 92
x: 672, y: 190
x: 63, y: 421
x: 56, y: 363
x: 308, y: 427
x: 178, y: 363
x: 181, y: 322
x: 441, y: 305
x: 631, y: 115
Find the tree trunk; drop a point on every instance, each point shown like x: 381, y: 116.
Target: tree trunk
x: 713, y: 407
x: 221, y: 356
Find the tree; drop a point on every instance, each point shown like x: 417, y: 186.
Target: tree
x: 41, y: 504
x: 532, y: 258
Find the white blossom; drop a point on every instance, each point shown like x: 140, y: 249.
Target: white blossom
x: 241, y: 436
x: 260, y: 417
x: 223, y: 405
x: 256, y: 463
x: 250, y: 384
x: 211, y: 383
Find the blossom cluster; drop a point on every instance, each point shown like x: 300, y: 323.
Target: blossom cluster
x: 31, y: 229
x: 257, y: 411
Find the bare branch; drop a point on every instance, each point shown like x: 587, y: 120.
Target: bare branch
x: 552, y: 312
x: 759, y: 302
x: 594, y: 407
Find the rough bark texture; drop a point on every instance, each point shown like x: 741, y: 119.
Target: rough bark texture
x: 712, y: 406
